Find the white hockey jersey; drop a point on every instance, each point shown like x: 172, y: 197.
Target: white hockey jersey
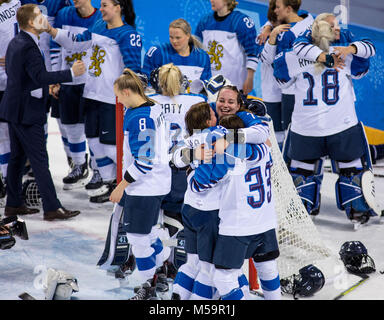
x: 112, y: 51
x: 61, y: 58
x: 231, y: 45
x: 246, y: 203
x: 324, y: 101
x: 210, y: 198
x: 8, y: 29
x: 145, y: 151
x: 174, y: 110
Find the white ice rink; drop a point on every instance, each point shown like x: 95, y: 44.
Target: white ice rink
x: 76, y: 245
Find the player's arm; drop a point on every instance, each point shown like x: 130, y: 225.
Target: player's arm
x: 152, y: 60
x: 130, y: 49
x: 207, y: 73
x: 69, y: 40
x: 256, y: 130
x: 55, y: 51
x: 271, y: 46
x: 246, y: 34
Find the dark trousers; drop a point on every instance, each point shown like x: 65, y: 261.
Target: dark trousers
x: 28, y: 142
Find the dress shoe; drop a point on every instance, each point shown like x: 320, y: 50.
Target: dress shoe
x: 19, y: 211
x: 60, y: 214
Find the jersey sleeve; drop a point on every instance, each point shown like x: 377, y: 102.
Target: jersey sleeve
x: 141, y: 129
x: 153, y: 59
x: 130, y: 48
x: 285, y: 68
x: 365, y: 48
x: 359, y: 67
x: 55, y: 48
x: 207, y: 73
x: 246, y: 33
x: 71, y: 41
x: 304, y: 48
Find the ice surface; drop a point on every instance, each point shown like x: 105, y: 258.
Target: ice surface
x: 76, y: 245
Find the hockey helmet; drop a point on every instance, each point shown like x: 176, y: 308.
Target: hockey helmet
x: 355, y: 257
x: 154, y: 81
x: 309, y: 281
x: 31, y: 194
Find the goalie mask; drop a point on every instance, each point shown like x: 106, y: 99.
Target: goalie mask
x: 355, y: 258
x: 31, y: 194
x: 309, y: 281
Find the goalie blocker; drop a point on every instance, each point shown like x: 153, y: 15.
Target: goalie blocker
x: 355, y: 191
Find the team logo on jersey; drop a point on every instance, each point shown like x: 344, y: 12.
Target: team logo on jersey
x: 215, y: 52
x: 74, y: 57
x: 97, y: 59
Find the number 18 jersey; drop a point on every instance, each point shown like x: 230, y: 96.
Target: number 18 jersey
x: 324, y: 100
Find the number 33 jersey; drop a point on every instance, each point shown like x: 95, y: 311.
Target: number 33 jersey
x: 324, y: 99
x: 246, y: 203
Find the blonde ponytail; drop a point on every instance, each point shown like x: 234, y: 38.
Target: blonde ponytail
x: 129, y: 80
x: 322, y: 36
x: 170, y: 80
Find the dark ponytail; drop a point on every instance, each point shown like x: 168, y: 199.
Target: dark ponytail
x: 127, y: 11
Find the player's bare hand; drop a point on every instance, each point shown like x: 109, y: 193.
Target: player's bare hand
x: 339, y: 63
x: 2, y: 61
x: 117, y: 193
x: 221, y: 145
x: 343, y: 52
x: 264, y: 34
x: 203, y: 153
x: 248, y: 85
x: 276, y: 31
x: 78, y: 68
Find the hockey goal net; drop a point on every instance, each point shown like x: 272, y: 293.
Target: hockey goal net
x: 300, y: 243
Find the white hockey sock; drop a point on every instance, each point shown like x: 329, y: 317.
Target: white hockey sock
x: 5, y: 148
x: 64, y: 138
x: 185, y: 278
x: 144, y: 254
x: 269, y: 279
x: 227, y: 283
x: 76, y: 142
x: 105, y: 164
x: 203, y: 286
x: 92, y: 155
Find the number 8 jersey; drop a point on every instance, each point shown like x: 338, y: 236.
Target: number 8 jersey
x: 325, y: 99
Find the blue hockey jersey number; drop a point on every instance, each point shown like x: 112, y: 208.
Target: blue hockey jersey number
x: 330, y: 91
x: 259, y: 185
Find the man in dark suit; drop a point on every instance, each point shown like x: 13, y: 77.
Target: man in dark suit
x: 24, y: 108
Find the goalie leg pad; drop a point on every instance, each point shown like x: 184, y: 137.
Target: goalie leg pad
x: 350, y: 196
x: 308, y: 188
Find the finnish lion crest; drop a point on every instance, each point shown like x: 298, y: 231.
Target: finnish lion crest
x: 215, y: 51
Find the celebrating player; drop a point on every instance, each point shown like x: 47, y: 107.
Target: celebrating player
x: 77, y: 18
x: 115, y: 44
x: 325, y: 119
x: 184, y: 50
x: 147, y: 178
x: 230, y: 38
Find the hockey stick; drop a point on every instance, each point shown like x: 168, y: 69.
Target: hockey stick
x: 364, y: 278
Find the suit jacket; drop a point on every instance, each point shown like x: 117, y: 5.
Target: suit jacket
x: 26, y: 72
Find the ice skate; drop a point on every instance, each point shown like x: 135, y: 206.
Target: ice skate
x: 77, y: 178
